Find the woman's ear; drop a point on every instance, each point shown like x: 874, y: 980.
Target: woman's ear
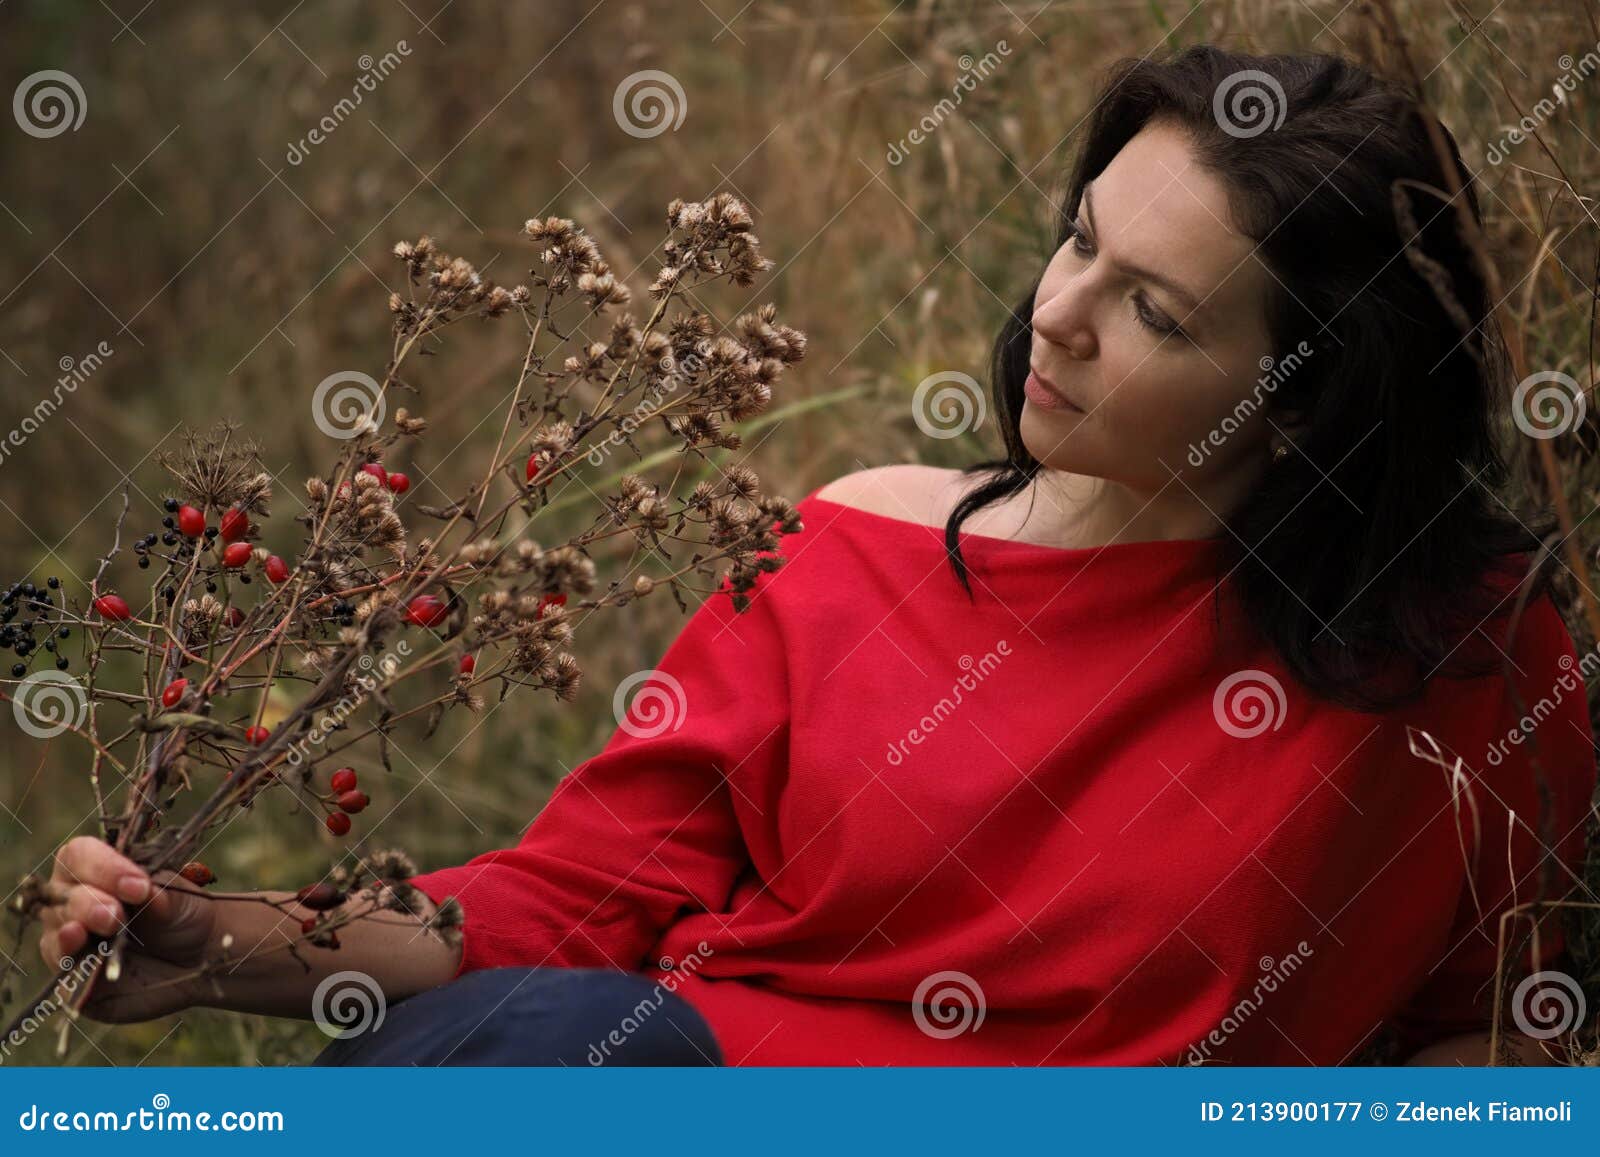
x: 1286, y: 427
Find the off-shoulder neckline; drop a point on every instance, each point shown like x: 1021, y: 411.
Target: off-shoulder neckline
x: 1160, y: 546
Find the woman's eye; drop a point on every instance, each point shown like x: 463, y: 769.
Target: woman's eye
x: 1149, y: 316
x: 1153, y: 319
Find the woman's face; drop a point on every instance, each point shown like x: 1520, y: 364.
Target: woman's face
x: 1153, y: 323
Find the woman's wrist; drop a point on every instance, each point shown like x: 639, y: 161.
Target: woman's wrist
x: 237, y: 955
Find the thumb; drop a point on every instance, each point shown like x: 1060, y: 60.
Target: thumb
x: 164, y: 899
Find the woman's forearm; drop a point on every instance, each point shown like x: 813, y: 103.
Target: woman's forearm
x: 263, y: 974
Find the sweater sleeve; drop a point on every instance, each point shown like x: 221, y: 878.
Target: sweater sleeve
x: 649, y: 826
x: 1546, y: 750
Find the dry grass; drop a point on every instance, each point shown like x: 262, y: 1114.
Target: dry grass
x: 230, y: 282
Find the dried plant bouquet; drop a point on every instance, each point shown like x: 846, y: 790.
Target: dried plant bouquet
x: 216, y: 625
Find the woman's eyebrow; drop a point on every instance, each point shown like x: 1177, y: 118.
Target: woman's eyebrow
x: 1172, y: 287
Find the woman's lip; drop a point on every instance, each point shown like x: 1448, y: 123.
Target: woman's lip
x: 1051, y: 388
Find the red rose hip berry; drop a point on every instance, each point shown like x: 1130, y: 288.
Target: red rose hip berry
x: 353, y: 801
x: 197, y: 873
x: 319, y: 897
x: 191, y: 521
x: 113, y: 607
x: 427, y: 611
x: 235, y: 525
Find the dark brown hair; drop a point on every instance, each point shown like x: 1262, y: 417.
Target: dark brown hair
x: 1366, y: 551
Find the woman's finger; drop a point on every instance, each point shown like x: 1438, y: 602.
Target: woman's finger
x: 94, y: 909
x: 69, y: 939
x: 88, y: 860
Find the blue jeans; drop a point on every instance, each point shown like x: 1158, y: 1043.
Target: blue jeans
x: 535, y: 1016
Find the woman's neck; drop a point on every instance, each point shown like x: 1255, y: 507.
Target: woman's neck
x: 1077, y: 510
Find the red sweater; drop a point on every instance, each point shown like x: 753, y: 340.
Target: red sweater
x: 1080, y: 805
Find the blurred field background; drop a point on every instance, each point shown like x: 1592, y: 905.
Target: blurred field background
x: 228, y: 281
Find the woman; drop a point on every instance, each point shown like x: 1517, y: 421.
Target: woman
x: 1156, y: 764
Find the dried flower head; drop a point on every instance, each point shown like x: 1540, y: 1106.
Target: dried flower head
x: 219, y: 470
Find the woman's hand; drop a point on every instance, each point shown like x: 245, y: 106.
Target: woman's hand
x: 96, y: 889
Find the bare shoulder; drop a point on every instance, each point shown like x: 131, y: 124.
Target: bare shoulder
x: 909, y: 491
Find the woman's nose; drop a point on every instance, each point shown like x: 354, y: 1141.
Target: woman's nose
x: 1064, y: 320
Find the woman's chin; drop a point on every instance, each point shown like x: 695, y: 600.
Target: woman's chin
x: 1052, y: 437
